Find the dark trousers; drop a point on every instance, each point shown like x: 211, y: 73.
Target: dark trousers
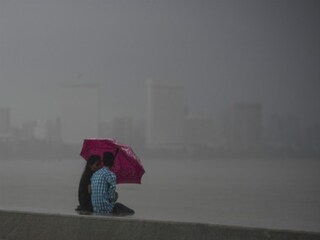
x: 120, y: 209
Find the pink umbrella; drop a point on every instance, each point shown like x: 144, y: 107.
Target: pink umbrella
x: 127, y: 165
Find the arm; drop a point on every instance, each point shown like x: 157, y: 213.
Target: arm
x: 113, y: 195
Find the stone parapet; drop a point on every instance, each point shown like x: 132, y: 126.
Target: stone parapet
x: 16, y: 225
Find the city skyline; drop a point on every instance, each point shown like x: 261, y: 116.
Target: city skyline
x: 222, y: 51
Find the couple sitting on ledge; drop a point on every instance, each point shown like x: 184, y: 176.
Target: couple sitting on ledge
x: 97, y: 188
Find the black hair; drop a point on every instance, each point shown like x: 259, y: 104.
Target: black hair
x: 91, y: 160
x: 108, y: 159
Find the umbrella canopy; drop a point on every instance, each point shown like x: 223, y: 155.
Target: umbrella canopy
x: 127, y: 166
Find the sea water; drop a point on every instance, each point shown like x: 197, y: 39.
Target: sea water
x: 270, y: 193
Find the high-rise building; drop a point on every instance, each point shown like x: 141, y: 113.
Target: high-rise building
x: 165, y: 114
x: 79, y: 107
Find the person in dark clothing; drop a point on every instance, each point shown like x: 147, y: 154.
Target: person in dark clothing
x: 84, y: 190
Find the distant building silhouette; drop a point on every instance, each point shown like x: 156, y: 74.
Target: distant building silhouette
x: 311, y: 138
x: 53, y: 130
x: 5, y: 122
x: 244, y: 127
x: 122, y: 129
x: 165, y: 114
x: 39, y: 131
x: 283, y: 131
x: 79, y: 109
x: 200, y: 131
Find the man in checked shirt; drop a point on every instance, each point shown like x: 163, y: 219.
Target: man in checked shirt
x: 103, y: 190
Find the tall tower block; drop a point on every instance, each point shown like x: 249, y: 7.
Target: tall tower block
x: 165, y: 114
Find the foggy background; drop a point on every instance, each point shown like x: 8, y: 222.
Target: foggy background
x: 234, y: 84
x: 222, y: 52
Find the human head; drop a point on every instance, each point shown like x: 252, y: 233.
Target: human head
x: 94, y: 162
x: 108, y: 159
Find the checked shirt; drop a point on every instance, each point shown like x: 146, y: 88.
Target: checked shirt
x: 103, y: 186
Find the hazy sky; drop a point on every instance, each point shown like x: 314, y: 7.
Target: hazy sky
x: 222, y: 51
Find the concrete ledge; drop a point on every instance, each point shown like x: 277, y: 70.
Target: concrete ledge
x: 16, y: 225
